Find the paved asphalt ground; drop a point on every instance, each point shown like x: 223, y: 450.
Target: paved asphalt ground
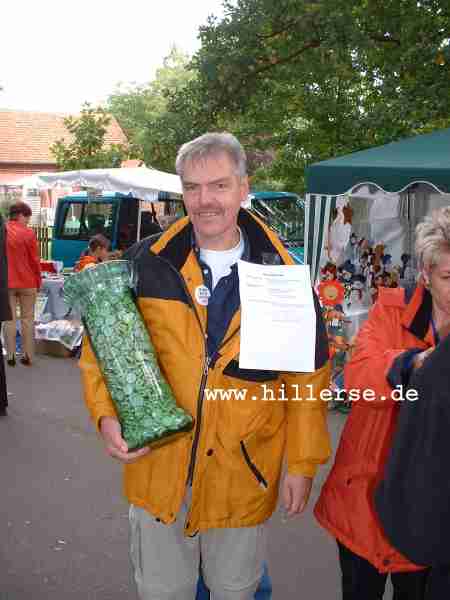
x: 64, y: 523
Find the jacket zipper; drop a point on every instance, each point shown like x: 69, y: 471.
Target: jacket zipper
x: 206, y: 364
x: 198, y: 423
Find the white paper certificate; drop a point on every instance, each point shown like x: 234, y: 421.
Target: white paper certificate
x: 278, y: 319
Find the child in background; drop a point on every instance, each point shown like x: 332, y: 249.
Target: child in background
x: 97, y: 252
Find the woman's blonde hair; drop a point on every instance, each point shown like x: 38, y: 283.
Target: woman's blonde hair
x: 433, y: 238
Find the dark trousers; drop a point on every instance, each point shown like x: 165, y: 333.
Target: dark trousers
x: 439, y: 584
x: 3, y: 392
x: 362, y: 581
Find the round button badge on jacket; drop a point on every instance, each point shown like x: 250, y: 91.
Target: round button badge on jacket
x: 202, y: 295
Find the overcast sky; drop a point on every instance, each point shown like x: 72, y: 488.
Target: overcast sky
x: 55, y: 55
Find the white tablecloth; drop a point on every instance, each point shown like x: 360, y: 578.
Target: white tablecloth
x: 53, y: 289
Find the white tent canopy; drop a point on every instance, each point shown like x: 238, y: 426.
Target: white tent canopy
x: 140, y: 182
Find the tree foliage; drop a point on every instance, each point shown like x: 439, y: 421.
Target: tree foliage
x: 321, y: 78
x: 88, y: 149
x: 300, y: 81
x: 163, y: 114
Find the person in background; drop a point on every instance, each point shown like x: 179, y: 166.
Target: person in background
x: 24, y: 280
x: 5, y: 314
x: 97, y: 251
x: 205, y: 498
x: 403, y: 329
x: 149, y: 225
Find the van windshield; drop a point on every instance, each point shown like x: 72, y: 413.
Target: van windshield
x: 284, y: 215
x: 82, y: 220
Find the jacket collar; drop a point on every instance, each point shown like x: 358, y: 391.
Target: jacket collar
x: 18, y: 224
x: 245, y: 256
x: 175, y: 244
x: 417, y: 316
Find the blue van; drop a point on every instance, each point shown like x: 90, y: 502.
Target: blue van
x: 117, y: 216
x: 123, y: 219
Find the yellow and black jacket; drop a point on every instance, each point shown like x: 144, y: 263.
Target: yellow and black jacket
x: 234, y: 455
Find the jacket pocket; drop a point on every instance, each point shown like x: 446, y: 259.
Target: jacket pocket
x: 232, y: 370
x: 253, y: 468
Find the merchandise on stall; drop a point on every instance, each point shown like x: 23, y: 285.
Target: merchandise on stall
x: 331, y: 295
x: 68, y: 333
x: 349, y: 287
x: 361, y: 211
x: 389, y: 189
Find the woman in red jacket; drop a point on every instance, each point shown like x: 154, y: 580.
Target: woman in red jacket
x: 5, y: 314
x: 24, y: 279
x: 401, y: 331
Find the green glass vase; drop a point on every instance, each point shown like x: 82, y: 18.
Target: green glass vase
x: 144, y: 402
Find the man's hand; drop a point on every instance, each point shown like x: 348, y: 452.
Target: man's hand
x: 116, y: 446
x: 419, y: 358
x: 295, y: 493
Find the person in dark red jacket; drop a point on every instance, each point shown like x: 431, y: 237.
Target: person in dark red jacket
x: 5, y: 314
x: 401, y: 332
x: 24, y: 279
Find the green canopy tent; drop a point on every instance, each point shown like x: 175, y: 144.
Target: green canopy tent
x: 409, y: 170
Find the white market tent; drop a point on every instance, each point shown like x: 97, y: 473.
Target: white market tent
x: 141, y: 182
x: 28, y: 181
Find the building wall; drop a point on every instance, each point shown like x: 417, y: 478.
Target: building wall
x: 23, y: 169
x: 42, y: 212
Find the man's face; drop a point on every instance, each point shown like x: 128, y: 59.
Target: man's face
x: 213, y: 194
x: 102, y: 253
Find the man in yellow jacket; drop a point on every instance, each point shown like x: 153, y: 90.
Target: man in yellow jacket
x: 204, y: 499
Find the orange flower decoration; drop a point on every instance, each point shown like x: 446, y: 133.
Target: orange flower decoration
x: 331, y: 293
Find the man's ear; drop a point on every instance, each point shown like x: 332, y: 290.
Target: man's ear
x: 245, y: 189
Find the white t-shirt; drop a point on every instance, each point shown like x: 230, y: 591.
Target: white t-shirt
x: 220, y: 261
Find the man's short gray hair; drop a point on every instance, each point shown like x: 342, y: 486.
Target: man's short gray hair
x: 433, y: 238
x: 210, y: 145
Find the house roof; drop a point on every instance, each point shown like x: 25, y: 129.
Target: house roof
x: 26, y: 137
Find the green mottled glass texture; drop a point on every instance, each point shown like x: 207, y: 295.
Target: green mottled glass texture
x: 143, y: 399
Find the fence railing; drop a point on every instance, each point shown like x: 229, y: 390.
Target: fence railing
x: 44, y: 236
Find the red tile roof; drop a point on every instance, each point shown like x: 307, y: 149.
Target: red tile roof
x: 26, y: 137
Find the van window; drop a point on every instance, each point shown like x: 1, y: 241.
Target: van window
x: 82, y: 220
x: 127, y: 228
x: 285, y: 215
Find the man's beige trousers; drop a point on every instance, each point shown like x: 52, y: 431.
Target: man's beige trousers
x: 166, y: 563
